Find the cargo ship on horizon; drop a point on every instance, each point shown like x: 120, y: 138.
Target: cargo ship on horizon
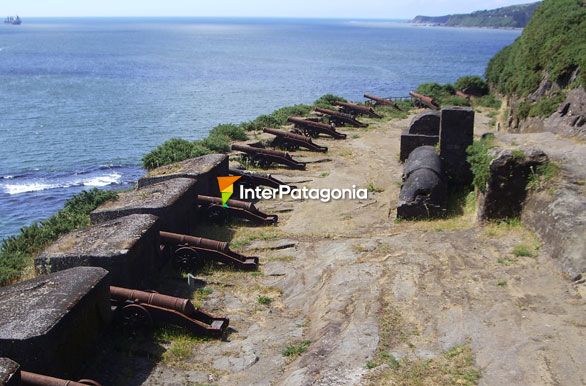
x: 13, y: 20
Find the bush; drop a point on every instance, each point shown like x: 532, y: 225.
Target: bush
x: 327, y: 101
x: 546, y: 106
x: 473, y: 83
x: 17, y: 252
x: 553, y: 43
x: 216, y: 143
x: 489, y: 101
x: 234, y: 132
x: 436, y: 90
x: 173, y: 150
x: 479, y: 160
x: 453, y: 100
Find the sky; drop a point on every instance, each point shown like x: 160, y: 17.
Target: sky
x: 377, y: 9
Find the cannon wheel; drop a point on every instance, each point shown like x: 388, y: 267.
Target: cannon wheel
x: 261, y: 161
x: 309, y: 133
x: 217, y: 214
x: 186, y: 258
x: 136, y: 317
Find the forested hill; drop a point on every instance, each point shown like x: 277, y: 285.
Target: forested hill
x: 515, y: 16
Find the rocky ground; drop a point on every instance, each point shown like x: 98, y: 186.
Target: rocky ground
x: 347, y: 295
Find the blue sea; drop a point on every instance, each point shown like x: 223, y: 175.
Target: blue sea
x: 82, y: 100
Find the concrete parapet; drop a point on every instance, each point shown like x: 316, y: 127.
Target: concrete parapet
x: 128, y: 247
x: 51, y: 324
x: 173, y: 201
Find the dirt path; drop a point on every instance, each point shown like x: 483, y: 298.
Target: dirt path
x: 346, y: 295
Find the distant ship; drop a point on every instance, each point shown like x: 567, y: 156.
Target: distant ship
x: 13, y: 20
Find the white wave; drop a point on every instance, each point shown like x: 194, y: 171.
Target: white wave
x: 110, y: 179
x: 7, y: 177
x: 29, y: 187
x: 35, y: 186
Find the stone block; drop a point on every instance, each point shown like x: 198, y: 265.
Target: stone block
x: 9, y: 372
x: 51, y: 324
x: 506, y: 189
x: 128, y: 247
x: 456, y: 134
x: 426, y: 123
x: 172, y: 201
x: 410, y: 142
x: 204, y: 169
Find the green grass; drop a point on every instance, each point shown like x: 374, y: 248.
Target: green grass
x: 264, y: 300
x: 480, y: 159
x: 501, y: 283
x: 524, y: 250
x: 553, y: 43
x: 542, y: 175
x: 372, y: 188
x: 17, y: 252
x: 474, y: 82
x: 295, y: 349
x: 489, y: 101
x: 179, y: 343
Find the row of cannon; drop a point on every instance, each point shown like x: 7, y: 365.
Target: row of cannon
x: 325, y: 123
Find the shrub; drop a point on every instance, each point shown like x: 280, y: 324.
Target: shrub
x: 327, y: 101
x: 474, y: 83
x: 489, y: 101
x: 436, y: 90
x: 234, y: 132
x: 18, y: 251
x: 479, y: 160
x: 216, y: 143
x: 546, y: 106
x: 173, y: 150
x: 553, y: 43
x: 453, y: 100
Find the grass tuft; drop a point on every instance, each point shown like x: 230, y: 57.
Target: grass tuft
x: 295, y: 349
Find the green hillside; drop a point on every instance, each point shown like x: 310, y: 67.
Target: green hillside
x: 552, y: 46
x: 516, y: 16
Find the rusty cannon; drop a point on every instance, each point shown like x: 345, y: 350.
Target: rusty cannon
x: 424, y: 100
x: 378, y: 101
x: 293, y: 141
x: 141, y: 309
x: 314, y: 129
x: 462, y: 94
x: 265, y: 157
x: 256, y: 179
x: 352, y: 108
x: 339, y: 118
x: 190, y: 251
x: 215, y: 211
x: 33, y: 379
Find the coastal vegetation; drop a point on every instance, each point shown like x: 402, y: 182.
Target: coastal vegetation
x: 444, y: 94
x: 479, y: 159
x: 552, y: 46
x: 219, y: 138
x: 515, y: 16
x: 17, y: 252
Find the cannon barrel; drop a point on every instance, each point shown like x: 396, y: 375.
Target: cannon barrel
x: 462, y: 94
x: 363, y: 110
x: 428, y: 101
x: 307, y: 122
x: 32, y: 379
x: 382, y: 101
x: 199, y: 242
x: 285, y: 134
x: 232, y: 203
x: 285, y: 137
x: 177, y: 304
x: 338, y: 116
x: 258, y: 150
x: 257, y: 179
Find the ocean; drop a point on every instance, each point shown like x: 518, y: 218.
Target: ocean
x: 83, y: 99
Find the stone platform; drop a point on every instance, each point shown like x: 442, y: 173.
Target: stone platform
x: 203, y: 169
x: 173, y: 201
x: 51, y: 324
x: 9, y: 372
x: 128, y: 247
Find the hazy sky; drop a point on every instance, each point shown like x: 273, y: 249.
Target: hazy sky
x: 390, y: 9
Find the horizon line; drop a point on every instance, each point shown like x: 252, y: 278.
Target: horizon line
x: 217, y: 17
